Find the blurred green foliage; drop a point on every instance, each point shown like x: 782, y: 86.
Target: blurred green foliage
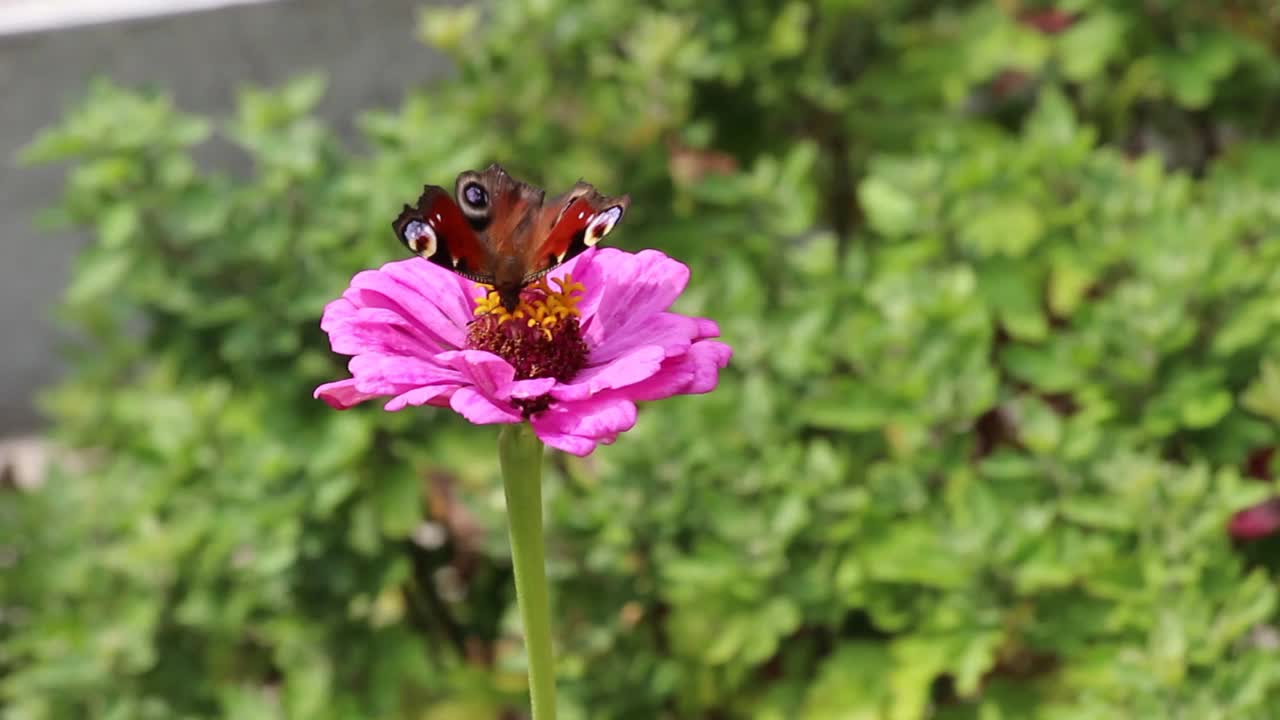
x: 1004, y: 286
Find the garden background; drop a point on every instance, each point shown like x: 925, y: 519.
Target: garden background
x: 1003, y: 284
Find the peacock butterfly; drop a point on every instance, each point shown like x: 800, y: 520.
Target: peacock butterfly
x: 501, y: 231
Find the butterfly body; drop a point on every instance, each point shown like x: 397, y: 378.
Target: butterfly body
x: 502, y: 232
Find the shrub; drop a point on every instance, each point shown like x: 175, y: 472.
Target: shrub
x: 1001, y: 283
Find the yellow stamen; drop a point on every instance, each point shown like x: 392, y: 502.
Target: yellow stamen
x: 540, y: 305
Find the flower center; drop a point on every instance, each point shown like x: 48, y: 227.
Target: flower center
x: 540, y: 338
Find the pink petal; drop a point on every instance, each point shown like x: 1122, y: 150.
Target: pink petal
x: 369, y: 375
x: 673, y: 332
x: 437, y: 395
x: 571, y: 444
x: 490, y: 374
x: 474, y: 406
x: 695, y: 372
x: 625, y: 291
x: 708, y: 358
x: 637, y: 365
x: 706, y: 328
x: 374, y: 290
x: 672, y: 380
x: 446, y: 291
x: 342, y: 394
x: 429, y: 299
x: 377, y: 330
x: 528, y: 389
x: 566, y: 424
x: 601, y: 415
x: 401, y: 370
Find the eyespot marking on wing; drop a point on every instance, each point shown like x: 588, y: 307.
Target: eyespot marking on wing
x: 601, y: 223
x: 420, y: 237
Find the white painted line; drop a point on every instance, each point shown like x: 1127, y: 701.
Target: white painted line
x: 28, y: 16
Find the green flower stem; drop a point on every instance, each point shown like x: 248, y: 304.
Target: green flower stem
x: 520, y: 453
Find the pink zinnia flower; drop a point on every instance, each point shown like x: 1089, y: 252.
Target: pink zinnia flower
x: 1256, y: 522
x: 586, y: 343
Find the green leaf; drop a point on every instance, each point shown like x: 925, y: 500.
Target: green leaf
x: 1038, y: 425
x: 1206, y: 410
x: 1090, y: 44
x: 1192, y: 73
x: 890, y: 211
x: 1016, y: 300
x: 1054, y: 121
x: 118, y: 226
x: 1011, y: 228
x: 398, y: 496
x: 1069, y: 280
x: 1262, y: 396
x: 98, y: 279
x: 850, y: 684
x: 789, y: 34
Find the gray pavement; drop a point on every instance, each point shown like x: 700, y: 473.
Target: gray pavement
x: 367, y: 48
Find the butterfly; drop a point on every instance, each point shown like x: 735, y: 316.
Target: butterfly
x: 503, y: 232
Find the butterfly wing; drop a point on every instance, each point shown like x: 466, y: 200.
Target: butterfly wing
x: 577, y: 220
x: 437, y: 230
x: 502, y: 210
x: 500, y: 232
